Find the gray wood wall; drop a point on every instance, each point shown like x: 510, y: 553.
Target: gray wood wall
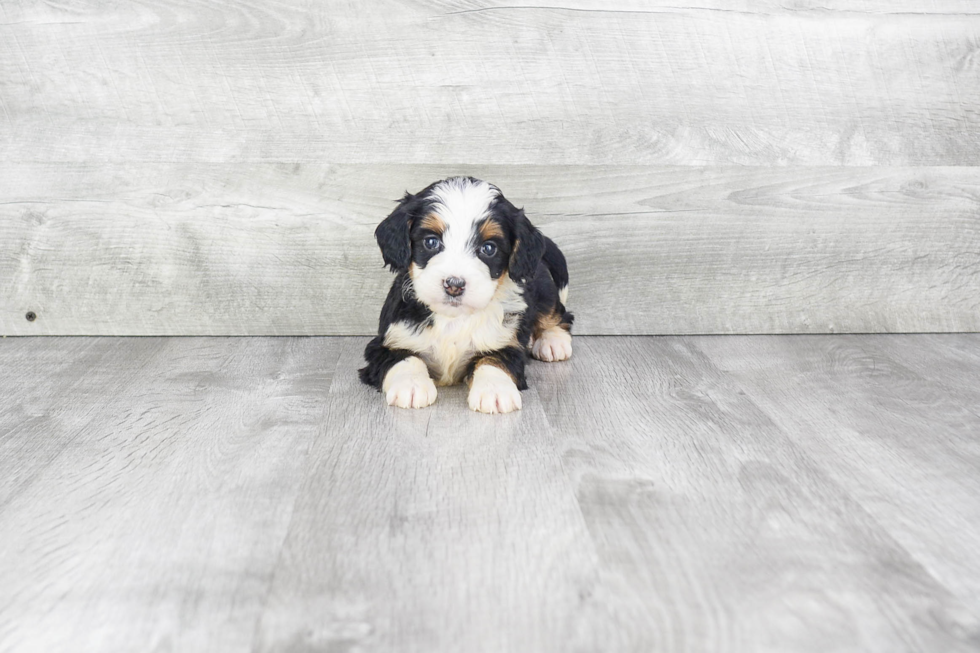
x: 178, y: 167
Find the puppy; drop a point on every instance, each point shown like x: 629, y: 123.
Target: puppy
x: 478, y: 288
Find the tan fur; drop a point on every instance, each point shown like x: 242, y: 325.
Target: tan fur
x: 490, y: 229
x: 434, y: 223
x: 449, y: 344
x: 495, y: 362
x: 548, y: 321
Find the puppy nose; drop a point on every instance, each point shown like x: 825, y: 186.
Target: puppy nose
x: 454, y: 286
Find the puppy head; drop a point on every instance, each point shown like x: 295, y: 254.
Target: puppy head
x: 458, y: 239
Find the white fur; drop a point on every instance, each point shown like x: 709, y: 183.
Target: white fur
x: 407, y: 384
x: 460, y: 203
x: 555, y: 344
x: 563, y: 295
x: 493, y: 391
x: 449, y: 343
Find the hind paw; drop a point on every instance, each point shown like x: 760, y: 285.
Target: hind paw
x: 554, y: 344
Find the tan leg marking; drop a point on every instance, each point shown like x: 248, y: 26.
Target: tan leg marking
x: 550, y: 339
x: 491, y: 360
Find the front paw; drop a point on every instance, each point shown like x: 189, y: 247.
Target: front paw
x: 407, y: 384
x: 493, y: 391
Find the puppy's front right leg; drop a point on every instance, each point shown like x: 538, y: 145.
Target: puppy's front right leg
x: 408, y: 385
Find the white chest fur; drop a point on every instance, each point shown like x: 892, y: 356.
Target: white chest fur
x: 447, y: 344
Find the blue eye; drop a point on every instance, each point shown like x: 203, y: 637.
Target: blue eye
x: 488, y: 249
x: 431, y: 242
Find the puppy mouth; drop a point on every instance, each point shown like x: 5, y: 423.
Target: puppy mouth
x: 453, y: 301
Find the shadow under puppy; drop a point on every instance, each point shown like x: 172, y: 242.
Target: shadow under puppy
x: 478, y: 287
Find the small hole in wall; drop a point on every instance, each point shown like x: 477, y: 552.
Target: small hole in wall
x: 31, y: 316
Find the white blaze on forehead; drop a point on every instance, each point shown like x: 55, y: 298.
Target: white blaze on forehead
x: 461, y: 203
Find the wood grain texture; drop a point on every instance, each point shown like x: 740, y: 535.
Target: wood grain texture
x: 738, y: 494
x: 909, y: 429
x: 430, y: 530
x: 717, y: 530
x: 287, y: 249
x: 573, y: 82
x: 157, y: 524
x: 51, y: 391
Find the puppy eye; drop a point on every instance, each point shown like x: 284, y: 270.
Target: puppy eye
x: 431, y: 242
x: 488, y: 249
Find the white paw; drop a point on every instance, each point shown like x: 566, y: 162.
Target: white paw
x: 493, y: 391
x: 407, y: 384
x: 555, y: 344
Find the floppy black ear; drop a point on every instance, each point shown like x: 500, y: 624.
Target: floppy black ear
x: 528, y: 248
x: 393, y: 235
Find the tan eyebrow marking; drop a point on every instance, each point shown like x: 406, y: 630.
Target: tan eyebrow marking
x: 490, y: 229
x: 433, y: 223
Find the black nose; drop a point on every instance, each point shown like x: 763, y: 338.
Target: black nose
x: 454, y: 286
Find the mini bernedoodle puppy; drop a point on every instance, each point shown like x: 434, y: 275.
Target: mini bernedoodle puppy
x: 478, y: 287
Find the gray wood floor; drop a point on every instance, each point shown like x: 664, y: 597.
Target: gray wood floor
x: 772, y: 493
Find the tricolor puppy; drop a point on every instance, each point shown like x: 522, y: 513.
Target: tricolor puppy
x: 477, y: 289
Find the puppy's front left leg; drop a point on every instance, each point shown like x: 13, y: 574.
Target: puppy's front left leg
x: 495, y: 387
x: 408, y: 385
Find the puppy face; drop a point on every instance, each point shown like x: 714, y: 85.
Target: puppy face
x: 459, y: 249
x: 457, y: 239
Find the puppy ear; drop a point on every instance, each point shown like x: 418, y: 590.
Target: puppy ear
x: 528, y: 249
x: 393, y: 235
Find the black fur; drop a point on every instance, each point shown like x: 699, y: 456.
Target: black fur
x: 393, y: 234
x: 554, y: 260
x: 529, y: 243
x: 400, y: 305
x: 380, y: 360
x: 541, y: 295
x: 513, y: 358
x: 533, y: 261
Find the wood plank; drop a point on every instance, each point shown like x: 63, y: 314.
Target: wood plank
x: 287, y: 249
x: 158, y: 526
x: 51, y: 388
x: 716, y: 529
x: 432, y: 530
x: 572, y: 82
x: 902, y: 444
x: 949, y: 362
x: 782, y: 494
